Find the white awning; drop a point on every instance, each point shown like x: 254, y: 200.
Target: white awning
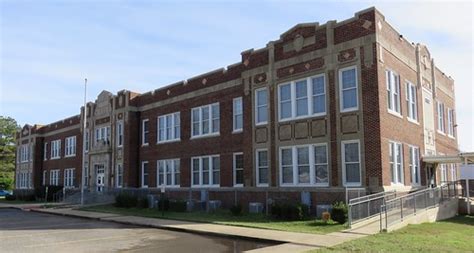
x: 465, y: 158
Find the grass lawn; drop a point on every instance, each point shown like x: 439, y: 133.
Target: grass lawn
x: 453, y: 235
x: 224, y: 217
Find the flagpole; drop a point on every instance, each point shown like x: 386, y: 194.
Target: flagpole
x: 84, y: 142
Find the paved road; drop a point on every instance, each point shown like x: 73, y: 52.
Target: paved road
x: 22, y: 231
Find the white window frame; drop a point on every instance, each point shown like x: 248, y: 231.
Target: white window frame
x: 343, y: 159
x: 143, y: 185
x: 394, y: 152
x: 454, y: 176
x: 70, y: 146
x: 412, y: 101
x: 86, y: 175
x: 234, y: 169
x: 69, y: 178
x: 258, y: 167
x: 211, y: 171
x: 119, y: 133
x: 341, y: 100
x: 119, y: 176
x: 102, y: 134
x: 393, y: 88
x: 441, y: 117
x: 236, y: 114
x: 450, y: 123
x: 311, y: 164
x: 325, y: 145
x: 45, y: 173
x: 173, y: 171
x: 309, y: 98
x: 174, y: 135
x: 444, y: 174
x: 145, y: 132
x: 54, y: 177
x: 45, y: 151
x: 55, y: 149
x: 414, y: 164
x: 87, y: 139
x: 211, y: 132
x: 258, y: 106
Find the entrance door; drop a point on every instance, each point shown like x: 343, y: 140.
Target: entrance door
x: 100, y: 177
x: 431, y: 176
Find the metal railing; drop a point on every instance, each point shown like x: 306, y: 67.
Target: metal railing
x: 396, y: 210
x: 366, y: 207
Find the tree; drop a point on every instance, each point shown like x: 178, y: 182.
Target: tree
x: 8, y: 128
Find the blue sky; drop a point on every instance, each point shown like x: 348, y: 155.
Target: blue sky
x: 49, y: 47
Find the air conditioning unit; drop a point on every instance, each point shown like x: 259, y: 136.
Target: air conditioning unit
x: 214, y: 205
x: 255, y: 207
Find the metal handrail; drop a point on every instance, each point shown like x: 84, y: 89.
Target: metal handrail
x: 367, y: 199
x: 371, y: 197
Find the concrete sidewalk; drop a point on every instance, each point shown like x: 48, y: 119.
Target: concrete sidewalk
x: 291, y: 241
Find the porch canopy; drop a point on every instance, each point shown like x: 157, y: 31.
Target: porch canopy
x: 464, y: 158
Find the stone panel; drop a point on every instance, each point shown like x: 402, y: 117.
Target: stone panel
x: 318, y: 127
x: 261, y: 135
x: 285, y: 132
x: 350, y: 123
x: 301, y: 130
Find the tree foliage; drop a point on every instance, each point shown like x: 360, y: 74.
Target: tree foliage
x: 8, y: 128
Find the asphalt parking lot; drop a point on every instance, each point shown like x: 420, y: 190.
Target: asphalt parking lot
x: 22, y: 231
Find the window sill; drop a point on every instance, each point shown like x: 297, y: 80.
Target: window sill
x: 302, y: 117
x: 413, y: 121
x: 168, y: 141
x: 261, y: 123
x: 238, y: 185
x: 304, y: 185
x: 262, y: 185
x: 452, y: 137
x: 352, y: 109
x: 394, y: 113
x: 55, y: 158
x: 206, y: 186
x: 69, y: 156
x: 239, y: 131
x: 145, y: 145
x: 204, y: 136
x: 440, y: 132
x: 352, y: 184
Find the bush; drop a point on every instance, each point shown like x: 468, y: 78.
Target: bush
x: 339, y: 212
x: 164, y: 205
x: 290, y: 211
x: 236, y: 210
x: 177, y: 206
x: 126, y: 200
x: 142, y: 203
x: 10, y: 197
x: 40, y: 192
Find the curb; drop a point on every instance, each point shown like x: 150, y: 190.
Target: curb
x: 176, y: 229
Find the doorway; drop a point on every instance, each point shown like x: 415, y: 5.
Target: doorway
x: 100, y: 177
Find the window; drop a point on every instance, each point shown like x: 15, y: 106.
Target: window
x: 119, y: 176
x: 440, y: 107
x: 145, y: 132
x: 86, y: 147
x: 351, y: 163
x: 453, y: 172
x: 302, y: 98
x: 444, y: 174
x: 304, y: 165
x: 205, y: 120
x: 24, y: 153
x: 238, y: 114
x: 169, y: 127
x: 450, y: 122
x: 102, y: 134
x: 44, y: 177
x: 145, y: 174
x: 45, y: 151
x: 206, y: 171
x: 396, y: 162
x: 238, y: 169
x: 70, y: 146
x: 119, y: 133
x: 262, y: 167
x: 321, y: 164
x: 55, y: 149
x: 261, y: 108
x: 86, y: 175
x: 415, y: 165
x: 69, y: 178
x: 168, y: 172
x: 412, y: 102
x: 348, y: 86
x: 54, y: 177
x: 393, y: 91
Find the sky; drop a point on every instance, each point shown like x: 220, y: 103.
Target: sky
x: 48, y: 47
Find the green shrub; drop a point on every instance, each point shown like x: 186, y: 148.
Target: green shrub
x: 40, y: 192
x: 339, y: 212
x: 126, y: 200
x: 177, y: 206
x: 288, y: 211
x: 236, y: 210
x: 10, y: 197
x: 164, y: 204
x: 142, y: 203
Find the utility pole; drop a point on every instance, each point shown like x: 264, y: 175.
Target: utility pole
x: 84, y: 142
